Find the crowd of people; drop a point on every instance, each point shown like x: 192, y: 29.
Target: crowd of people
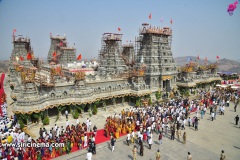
x: 73, y: 137
x: 167, y: 119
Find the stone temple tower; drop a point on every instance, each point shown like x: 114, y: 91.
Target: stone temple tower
x: 128, y: 53
x: 21, y: 51
x: 110, y: 57
x: 154, y: 52
x: 59, y: 52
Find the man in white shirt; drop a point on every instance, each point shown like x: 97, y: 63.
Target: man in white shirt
x: 212, y: 115
x: 89, y: 125
x: 66, y: 114
x: 55, y: 127
x: 89, y: 155
x: 128, y: 138
x: 67, y: 123
x: 77, y: 121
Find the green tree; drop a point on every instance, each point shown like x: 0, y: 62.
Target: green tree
x: 138, y: 103
x: 95, y: 109
x: 150, y: 101
x: 23, y: 117
x: 46, y: 120
x: 158, y: 95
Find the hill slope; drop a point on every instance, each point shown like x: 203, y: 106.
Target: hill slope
x: 224, y: 64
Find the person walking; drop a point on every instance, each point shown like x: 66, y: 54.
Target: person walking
x: 128, y: 138
x: 158, y: 155
x: 160, y: 138
x: 212, y: 115
x: 236, y: 119
x: 235, y: 108
x: 178, y: 133
x: 89, y: 155
x: 189, y: 121
x: 141, y: 148
x: 184, y: 137
x: 222, y: 156
x: 202, y: 113
x: 196, y: 124
x: 189, y: 156
x: 66, y: 114
x: 113, y: 143
x: 150, y: 142
x: 134, y: 153
x: 172, y: 133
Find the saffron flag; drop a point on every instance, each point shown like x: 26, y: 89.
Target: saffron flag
x: 29, y: 56
x: 79, y: 57
x: 171, y: 21
x: 119, y: 29
x: 21, y: 58
x: 198, y: 57
x: 54, y: 54
x: 217, y: 57
x: 150, y: 16
x: 14, y: 30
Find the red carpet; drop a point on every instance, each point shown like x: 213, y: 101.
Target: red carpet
x: 100, y: 138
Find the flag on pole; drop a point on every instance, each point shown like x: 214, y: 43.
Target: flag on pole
x: 14, y: 30
x: 50, y: 34
x: 54, y: 54
x: 217, y: 57
x: 119, y: 29
x: 171, y: 21
x: 79, y: 57
x: 150, y: 16
x: 29, y: 56
x: 21, y: 58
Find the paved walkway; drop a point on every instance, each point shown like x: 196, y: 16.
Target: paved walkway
x: 204, y: 144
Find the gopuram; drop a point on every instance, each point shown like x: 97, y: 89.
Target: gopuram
x: 126, y: 73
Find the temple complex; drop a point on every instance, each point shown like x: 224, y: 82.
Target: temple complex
x: 126, y: 73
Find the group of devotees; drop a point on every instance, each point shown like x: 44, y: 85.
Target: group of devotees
x: 167, y: 119
x: 138, y: 124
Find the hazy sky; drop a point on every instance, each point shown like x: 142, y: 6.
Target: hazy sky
x: 200, y: 27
